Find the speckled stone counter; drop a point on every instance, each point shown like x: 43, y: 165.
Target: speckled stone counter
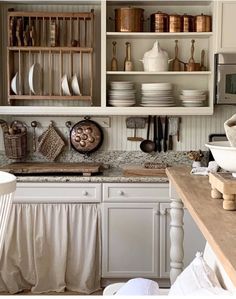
x: 113, y: 175
x: 116, y: 159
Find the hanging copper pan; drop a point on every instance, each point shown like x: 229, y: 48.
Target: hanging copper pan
x: 86, y: 136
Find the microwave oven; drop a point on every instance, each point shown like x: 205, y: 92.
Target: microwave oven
x: 225, y: 78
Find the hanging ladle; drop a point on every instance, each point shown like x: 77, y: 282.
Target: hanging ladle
x: 147, y: 145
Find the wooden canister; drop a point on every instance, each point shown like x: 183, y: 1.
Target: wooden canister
x: 159, y: 22
x: 187, y: 23
x: 175, y: 23
x: 129, y: 19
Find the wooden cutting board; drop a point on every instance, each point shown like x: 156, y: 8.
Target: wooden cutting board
x: 87, y: 169
x: 139, y: 170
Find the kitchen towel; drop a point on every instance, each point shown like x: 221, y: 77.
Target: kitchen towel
x: 212, y: 167
x: 52, y: 247
x: 230, y: 130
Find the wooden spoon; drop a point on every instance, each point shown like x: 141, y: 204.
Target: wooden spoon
x: 191, y: 62
x: 114, y: 62
x: 176, y: 66
x: 202, y: 67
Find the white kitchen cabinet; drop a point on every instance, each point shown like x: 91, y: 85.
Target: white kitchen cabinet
x: 226, y: 40
x: 130, y: 229
x: 130, y: 240
x: 193, y: 239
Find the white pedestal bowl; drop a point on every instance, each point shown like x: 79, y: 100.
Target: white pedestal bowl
x: 224, y: 155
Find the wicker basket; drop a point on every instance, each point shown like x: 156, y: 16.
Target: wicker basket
x: 15, y: 145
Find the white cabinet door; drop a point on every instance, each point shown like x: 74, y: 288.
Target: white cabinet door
x: 193, y: 239
x: 130, y: 240
x: 226, y: 22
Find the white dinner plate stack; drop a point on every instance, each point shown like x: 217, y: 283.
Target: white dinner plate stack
x: 157, y: 95
x: 121, y: 94
x: 193, y: 97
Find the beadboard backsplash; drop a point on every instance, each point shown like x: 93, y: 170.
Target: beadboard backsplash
x: 194, y: 130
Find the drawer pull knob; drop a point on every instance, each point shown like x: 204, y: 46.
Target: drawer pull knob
x: 163, y: 212
x: 84, y: 193
x: 120, y: 192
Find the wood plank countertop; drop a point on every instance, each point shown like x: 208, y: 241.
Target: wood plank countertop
x: 217, y: 225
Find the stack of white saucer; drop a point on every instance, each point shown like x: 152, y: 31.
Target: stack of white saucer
x: 121, y: 94
x: 193, y: 97
x: 157, y: 95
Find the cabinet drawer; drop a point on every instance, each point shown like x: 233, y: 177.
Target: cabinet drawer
x: 57, y: 193
x: 133, y: 192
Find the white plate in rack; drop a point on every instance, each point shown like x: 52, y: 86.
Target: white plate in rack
x: 75, y: 85
x: 65, y: 85
x: 15, y: 83
x: 35, y: 78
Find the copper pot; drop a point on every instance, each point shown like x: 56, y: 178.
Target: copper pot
x: 159, y: 22
x: 129, y: 19
x: 203, y: 23
x: 175, y: 23
x: 187, y: 23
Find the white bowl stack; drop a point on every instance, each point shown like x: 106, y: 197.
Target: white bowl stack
x: 122, y: 94
x: 193, y: 97
x: 157, y: 95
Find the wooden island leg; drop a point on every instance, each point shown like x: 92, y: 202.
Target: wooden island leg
x: 229, y: 202
x: 215, y: 193
x: 176, y: 235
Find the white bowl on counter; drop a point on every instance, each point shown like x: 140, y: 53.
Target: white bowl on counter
x: 224, y: 155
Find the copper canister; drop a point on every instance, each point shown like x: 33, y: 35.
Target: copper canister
x: 175, y: 23
x: 203, y: 23
x: 129, y: 19
x: 187, y: 23
x: 159, y: 22
x: 208, y: 23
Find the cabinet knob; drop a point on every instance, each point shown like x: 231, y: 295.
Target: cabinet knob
x: 84, y: 193
x: 163, y: 212
x: 120, y: 192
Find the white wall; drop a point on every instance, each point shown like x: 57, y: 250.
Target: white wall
x: 194, y: 129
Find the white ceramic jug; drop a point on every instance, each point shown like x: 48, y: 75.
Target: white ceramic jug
x: 156, y: 59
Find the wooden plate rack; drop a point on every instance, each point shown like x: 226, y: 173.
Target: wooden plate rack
x: 62, y: 43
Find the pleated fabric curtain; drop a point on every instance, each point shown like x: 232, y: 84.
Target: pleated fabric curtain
x: 52, y: 247
x: 7, y: 190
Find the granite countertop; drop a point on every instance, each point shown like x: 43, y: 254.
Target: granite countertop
x: 112, y: 175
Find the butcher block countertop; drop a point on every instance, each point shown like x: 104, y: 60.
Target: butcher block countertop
x: 217, y: 225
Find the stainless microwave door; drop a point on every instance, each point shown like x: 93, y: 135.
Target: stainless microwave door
x: 226, y: 84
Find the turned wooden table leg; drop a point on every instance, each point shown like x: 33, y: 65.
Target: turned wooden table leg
x: 229, y: 202
x: 176, y: 236
x: 215, y: 193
